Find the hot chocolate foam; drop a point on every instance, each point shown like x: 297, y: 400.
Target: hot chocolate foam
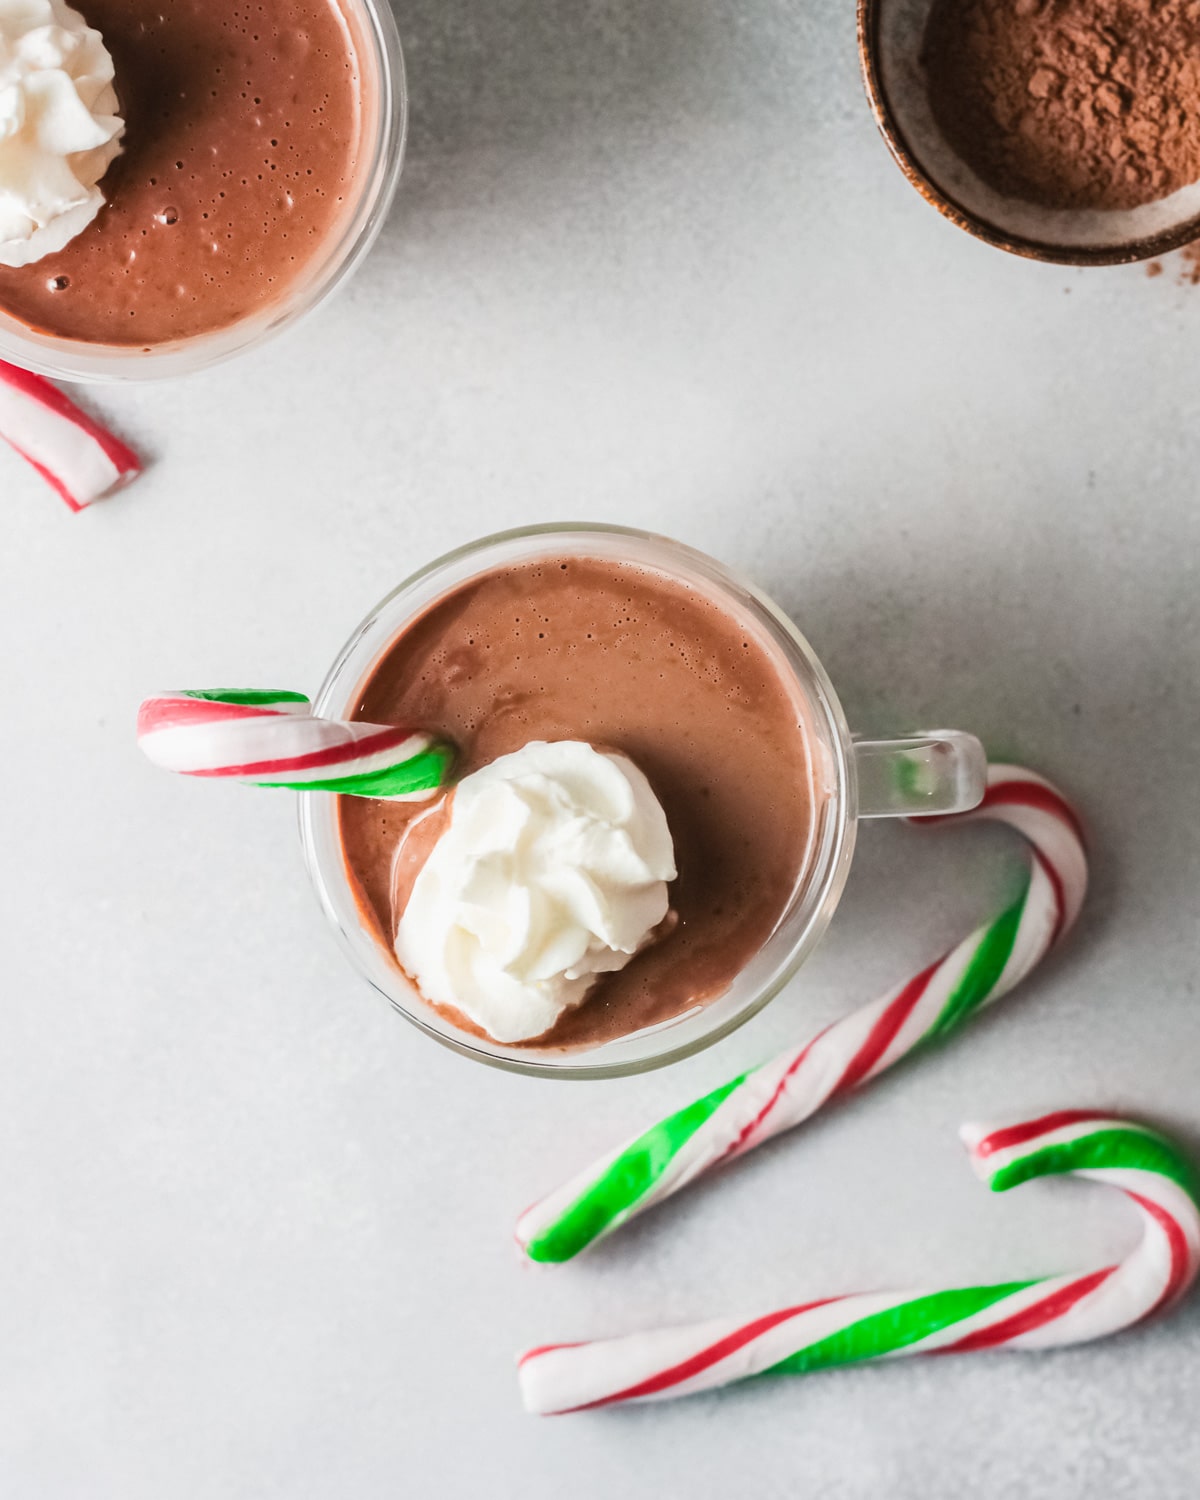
x: 243, y: 140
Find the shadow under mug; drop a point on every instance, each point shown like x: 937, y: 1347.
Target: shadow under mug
x: 931, y: 773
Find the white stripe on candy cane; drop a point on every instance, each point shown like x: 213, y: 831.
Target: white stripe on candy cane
x: 1047, y: 1313
x: 73, y: 453
x: 792, y: 1087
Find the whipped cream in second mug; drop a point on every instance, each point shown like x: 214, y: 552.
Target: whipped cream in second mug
x: 59, y: 127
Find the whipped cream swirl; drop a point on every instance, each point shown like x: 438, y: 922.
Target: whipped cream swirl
x: 552, y: 869
x: 59, y: 129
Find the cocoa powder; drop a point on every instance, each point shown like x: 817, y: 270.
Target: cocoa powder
x: 1069, y: 103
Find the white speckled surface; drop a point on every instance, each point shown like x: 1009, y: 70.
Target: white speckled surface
x: 650, y: 263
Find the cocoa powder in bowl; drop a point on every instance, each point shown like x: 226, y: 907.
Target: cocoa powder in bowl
x: 1081, y: 104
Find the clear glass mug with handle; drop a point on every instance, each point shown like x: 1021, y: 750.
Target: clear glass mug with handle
x: 936, y: 772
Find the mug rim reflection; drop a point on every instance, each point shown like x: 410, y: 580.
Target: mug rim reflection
x: 376, y: 183
x: 819, y: 885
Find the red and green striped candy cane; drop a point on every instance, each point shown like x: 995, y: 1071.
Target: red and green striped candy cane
x: 784, y: 1092
x: 271, y: 738
x: 1046, y: 1313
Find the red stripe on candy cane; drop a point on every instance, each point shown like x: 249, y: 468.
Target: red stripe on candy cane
x: 72, y: 452
x: 545, y: 1349
x: 1060, y: 895
x: 1181, y: 1254
x: 886, y: 1028
x: 38, y: 389
x: 792, y: 1088
x: 1053, y: 1312
x: 749, y: 1129
x: 51, y: 478
x: 1029, y: 1318
x: 1033, y: 794
x: 1004, y: 793
x: 703, y: 1359
x: 387, y: 739
x: 1018, y: 1135
x: 882, y: 1035
x: 179, y: 713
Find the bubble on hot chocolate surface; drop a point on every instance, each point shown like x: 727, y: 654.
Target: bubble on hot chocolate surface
x: 241, y: 151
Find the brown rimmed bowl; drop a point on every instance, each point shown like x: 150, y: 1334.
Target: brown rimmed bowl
x: 890, y: 36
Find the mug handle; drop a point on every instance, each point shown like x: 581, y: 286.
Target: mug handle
x: 944, y: 771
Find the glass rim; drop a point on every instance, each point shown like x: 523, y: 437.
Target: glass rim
x: 817, y: 895
x: 104, y: 364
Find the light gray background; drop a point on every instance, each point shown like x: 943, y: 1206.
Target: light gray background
x: 650, y: 263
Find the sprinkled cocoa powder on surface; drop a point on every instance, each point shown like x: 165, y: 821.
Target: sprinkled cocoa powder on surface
x: 1186, y: 265
x: 1070, y: 103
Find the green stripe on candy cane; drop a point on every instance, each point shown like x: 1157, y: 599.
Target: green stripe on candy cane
x: 984, y: 970
x: 422, y: 773
x: 1134, y: 1150
x: 789, y: 1089
x: 1152, y: 1173
x: 896, y: 1328
x: 615, y: 1194
x: 618, y: 1191
x: 244, y: 697
x: 271, y: 738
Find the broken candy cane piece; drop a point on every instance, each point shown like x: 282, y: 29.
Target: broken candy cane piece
x: 73, y: 454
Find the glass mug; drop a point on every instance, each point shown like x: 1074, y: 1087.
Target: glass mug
x: 384, y: 132
x: 937, y: 772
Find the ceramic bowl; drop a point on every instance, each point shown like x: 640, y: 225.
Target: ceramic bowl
x: 890, y: 35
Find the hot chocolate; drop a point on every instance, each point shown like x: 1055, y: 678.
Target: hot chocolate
x: 628, y: 660
x: 244, y: 132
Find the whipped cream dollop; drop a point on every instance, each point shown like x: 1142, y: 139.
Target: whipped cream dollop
x: 552, y: 869
x: 59, y: 129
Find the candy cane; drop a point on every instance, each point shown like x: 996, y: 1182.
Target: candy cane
x: 1043, y: 1314
x: 782, y: 1093
x: 272, y: 739
x: 69, y: 450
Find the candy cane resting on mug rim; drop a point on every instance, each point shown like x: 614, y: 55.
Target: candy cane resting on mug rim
x: 272, y: 739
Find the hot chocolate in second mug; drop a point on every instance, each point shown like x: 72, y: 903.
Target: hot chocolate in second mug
x: 642, y: 647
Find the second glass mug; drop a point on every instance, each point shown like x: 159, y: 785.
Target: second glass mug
x: 385, y: 125
x: 937, y: 772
